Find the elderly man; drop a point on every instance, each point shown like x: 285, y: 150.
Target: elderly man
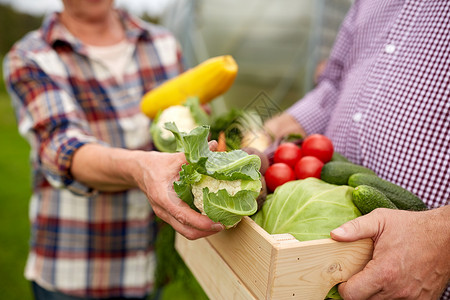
x: 384, y: 101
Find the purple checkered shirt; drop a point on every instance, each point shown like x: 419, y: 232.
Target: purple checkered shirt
x: 87, y: 243
x: 383, y: 98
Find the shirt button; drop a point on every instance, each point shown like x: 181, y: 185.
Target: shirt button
x: 389, y: 48
x: 357, y: 117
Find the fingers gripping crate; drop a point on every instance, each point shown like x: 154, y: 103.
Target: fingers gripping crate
x: 246, y: 262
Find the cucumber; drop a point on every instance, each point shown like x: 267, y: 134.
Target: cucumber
x: 401, y: 197
x: 338, y: 172
x: 338, y: 157
x: 367, y: 198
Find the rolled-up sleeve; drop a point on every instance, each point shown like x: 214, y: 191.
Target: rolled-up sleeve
x: 314, y: 110
x: 49, y: 118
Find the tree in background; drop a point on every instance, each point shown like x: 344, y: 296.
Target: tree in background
x: 14, y: 25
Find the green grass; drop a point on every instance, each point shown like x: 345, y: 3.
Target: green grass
x: 15, y: 191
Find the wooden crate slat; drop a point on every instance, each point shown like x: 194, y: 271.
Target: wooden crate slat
x: 248, y: 263
x: 309, y: 269
x: 248, y: 249
x: 216, y: 278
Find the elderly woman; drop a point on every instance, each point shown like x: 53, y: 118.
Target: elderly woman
x: 76, y: 85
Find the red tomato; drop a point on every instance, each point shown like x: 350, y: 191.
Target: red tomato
x: 319, y: 146
x: 308, y: 166
x: 278, y: 174
x: 288, y: 153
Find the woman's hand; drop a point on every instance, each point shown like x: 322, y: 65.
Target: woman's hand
x: 411, y: 258
x: 157, y: 172
x: 114, y: 169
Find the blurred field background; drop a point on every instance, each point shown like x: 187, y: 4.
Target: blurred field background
x: 15, y: 179
x: 277, y: 45
x: 14, y: 195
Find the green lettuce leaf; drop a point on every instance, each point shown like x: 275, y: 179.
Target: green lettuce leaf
x: 308, y: 209
x: 333, y: 293
x: 229, y: 210
x: 188, y: 176
x: 194, y: 144
x: 236, y: 164
x: 162, y: 144
x: 228, y: 123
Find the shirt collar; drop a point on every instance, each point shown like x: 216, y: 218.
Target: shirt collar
x: 54, y: 31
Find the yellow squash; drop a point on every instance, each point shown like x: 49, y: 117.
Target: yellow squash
x: 208, y: 80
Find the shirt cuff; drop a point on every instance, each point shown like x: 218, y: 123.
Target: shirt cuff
x: 311, y: 119
x: 314, y: 110
x: 65, y: 158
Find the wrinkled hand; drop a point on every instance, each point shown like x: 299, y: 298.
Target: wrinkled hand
x: 411, y: 258
x: 158, y: 172
x: 282, y: 125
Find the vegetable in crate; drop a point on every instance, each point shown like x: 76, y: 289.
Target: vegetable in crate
x: 308, y: 209
x: 222, y: 185
x: 186, y: 117
x: 225, y: 123
x: 308, y: 166
x: 262, y: 156
x: 319, y: 146
x: 253, y: 133
x: 206, y: 81
x: 368, y: 198
x: 288, y: 153
x: 339, y: 157
x: 242, y: 128
x: 277, y: 175
x: 402, y: 198
x: 338, y: 172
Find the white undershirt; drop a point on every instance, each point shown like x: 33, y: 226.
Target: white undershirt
x: 115, y: 57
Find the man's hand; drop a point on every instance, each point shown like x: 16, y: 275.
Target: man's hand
x: 282, y: 125
x: 411, y: 258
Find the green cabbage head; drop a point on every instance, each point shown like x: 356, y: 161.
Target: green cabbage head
x: 308, y: 209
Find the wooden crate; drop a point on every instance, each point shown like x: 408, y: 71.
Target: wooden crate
x: 246, y: 262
